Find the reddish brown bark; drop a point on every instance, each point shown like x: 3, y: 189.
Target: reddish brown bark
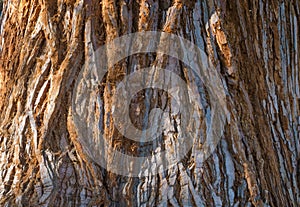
x: 255, y: 48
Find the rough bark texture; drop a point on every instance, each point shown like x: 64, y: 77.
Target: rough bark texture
x: 254, y: 46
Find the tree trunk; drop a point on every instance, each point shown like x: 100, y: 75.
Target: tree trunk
x: 45, y: 47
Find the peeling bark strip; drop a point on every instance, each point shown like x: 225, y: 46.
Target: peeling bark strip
x: 255, y: 48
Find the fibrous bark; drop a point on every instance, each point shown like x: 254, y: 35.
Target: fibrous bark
x: 254, y: 46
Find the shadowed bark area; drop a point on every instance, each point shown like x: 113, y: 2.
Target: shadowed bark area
x: 254, y: 46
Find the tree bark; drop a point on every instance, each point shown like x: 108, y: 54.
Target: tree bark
x: 254, y: 46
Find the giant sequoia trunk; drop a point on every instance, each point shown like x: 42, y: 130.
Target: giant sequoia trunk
x: 254, y: 47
